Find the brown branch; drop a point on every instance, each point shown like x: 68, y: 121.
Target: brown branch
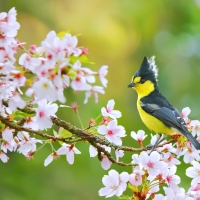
x: 82, y: 135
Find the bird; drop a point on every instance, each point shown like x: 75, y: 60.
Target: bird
x: 154, y: 109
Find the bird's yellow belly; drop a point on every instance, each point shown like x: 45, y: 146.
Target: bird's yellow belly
x: 153, y: 123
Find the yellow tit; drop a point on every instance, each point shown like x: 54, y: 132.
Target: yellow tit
x: 154, y: 109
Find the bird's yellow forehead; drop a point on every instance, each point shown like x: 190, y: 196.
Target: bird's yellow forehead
x: 136, y: 79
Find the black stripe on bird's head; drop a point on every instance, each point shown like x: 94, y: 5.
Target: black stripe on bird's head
x: 147, y: 71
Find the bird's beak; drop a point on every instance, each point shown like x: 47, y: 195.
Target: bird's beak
x: 131, y: 85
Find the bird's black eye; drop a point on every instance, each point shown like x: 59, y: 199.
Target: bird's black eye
x: 142, y: 81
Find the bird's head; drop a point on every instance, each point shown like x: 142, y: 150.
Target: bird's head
x: 145, y: 79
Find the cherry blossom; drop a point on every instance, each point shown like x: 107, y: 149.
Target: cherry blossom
x: 108, y: 111
x: 194, y: 172
x: 70, y: 43
x: 185, y: 112
x: 27, y: 144
x: 136, y: 177
x: 93, y: 152
x: 94, y: 91
x: 50, y: 158
x: 195, y: 127
x: 178, y: 194
x: 190, y: 153
x: 170, y: 159
x: 152, y: 163
x: 115, y: 184
x: 53, y: 43
x: 139, y: 136
x: 171, y: 179
x: 105, y: 162
x: 69, y: 151
x: 80, y: 84
x: 29, y: 63
x: 194, y: 190
x: 112, y: 132
x: 43, y: 113
x: 102, y: 73
x: 4, y: 158
x: 16, y: 101
x: 44, y: 89
x: 119, y: 154
x: 8, y: 142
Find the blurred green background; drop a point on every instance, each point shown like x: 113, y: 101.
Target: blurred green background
x: 119, y: 34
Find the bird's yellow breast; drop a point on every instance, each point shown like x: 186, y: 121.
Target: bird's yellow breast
x: 151, y: 122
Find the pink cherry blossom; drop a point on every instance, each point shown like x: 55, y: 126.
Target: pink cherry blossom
x: 115, y: 184
x: 16, y: 101
x: 108, y: 111
x: 178, y: 194
x: 170, y: 159
x: 31, y: 123
x: 70, y: 44
x: 80, y: 84
x: 136, y: 177
x: 53, y: 43
x: 152, y: 163
x: 94, y: 91
x: 185, y: 112
x: 139, y: 136
x: 112, y: 132
x: 194, y: 172
x: 195, y: 127
x: 105, y: 162
x: 69, y: 151
x: 190, y: 153
x: 171, y: 179
x: 43, y: 113
x: 44, y: 89
x: 28, y: 62
x: 8, y: 26
x: 6, y: 67
x: 8, y: 142
x: 119, y: 154
x: 27, y: 144
x: 4, y: 158
x: 194, y: 190
x: 102, y: 73
x: 93, y: 151
x: 50, y: 158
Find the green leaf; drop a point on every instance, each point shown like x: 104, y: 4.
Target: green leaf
x: 55, y: 133
x: 65, y: 133
x: 62, y: 34
x: 83, y: 58
x: 20, y: 114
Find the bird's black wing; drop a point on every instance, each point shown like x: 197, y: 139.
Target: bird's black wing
x: 171, y: 118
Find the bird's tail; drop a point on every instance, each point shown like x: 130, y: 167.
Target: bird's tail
x: 189, y: 136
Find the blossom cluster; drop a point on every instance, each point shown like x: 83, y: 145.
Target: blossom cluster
x: 153, y: 170
x: 37, y: 80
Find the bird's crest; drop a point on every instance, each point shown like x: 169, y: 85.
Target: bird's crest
x: 148, y: 69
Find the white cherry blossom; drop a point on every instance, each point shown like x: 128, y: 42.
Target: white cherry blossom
x: 43, y: 113
x: 69, y: 151
x: 112, y: 132
x: 108, y: 111
x: 115, y: 184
